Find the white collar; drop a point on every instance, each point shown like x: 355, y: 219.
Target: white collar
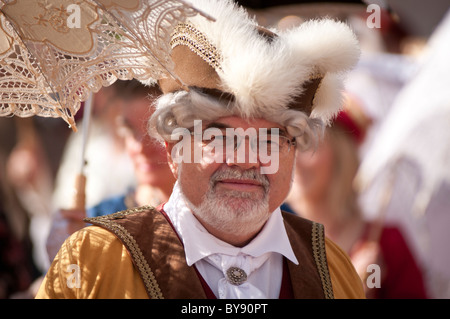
x: 199, y: 243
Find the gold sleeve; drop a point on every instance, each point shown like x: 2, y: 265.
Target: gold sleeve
x: 344, y: 278
x: 92, y: 263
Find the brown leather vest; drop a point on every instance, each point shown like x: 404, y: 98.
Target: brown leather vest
x: 158, y: 254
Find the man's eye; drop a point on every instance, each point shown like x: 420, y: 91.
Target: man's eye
x: 268, y: 142
x: 218, y: 138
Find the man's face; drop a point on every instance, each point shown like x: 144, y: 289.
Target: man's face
x: 236, y: 191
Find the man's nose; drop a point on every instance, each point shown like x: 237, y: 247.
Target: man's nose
x: 243, y: 156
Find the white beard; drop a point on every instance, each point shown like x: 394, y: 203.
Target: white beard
x: 234, y: 212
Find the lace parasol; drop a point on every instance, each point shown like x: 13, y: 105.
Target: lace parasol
x: 54, y: 53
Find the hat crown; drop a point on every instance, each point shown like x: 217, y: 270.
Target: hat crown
x: 263, y: 70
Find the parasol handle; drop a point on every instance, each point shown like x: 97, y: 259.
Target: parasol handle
x: 79, y: 200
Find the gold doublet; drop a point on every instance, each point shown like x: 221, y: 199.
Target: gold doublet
x: 158, y: 255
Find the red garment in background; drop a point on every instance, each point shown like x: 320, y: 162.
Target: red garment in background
x: 401, y: 277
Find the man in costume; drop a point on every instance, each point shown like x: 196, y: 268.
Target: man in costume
x: 245, y: 98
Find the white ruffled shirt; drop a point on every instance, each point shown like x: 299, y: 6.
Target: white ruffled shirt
x: 206, y: 251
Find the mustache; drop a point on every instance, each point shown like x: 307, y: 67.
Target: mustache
x: 237, y: 173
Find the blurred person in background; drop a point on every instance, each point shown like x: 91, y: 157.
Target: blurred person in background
x: 410, y: 155
x: 104, y: 150
x: 153, y: 178
x: 323, y: 190
x: 16, y: 265
x: 23, y: 168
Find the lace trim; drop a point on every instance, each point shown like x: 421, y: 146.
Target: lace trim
x: 186, y: 34
x: 51, y: 76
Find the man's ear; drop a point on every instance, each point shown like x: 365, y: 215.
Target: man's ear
x: 173, y: 165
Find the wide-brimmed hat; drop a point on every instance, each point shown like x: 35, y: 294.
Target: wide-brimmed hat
x: 259, y: 70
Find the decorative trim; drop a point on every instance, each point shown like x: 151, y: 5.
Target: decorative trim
x: 319, y: 253
x: 147, y: 275
x: 186, y: 34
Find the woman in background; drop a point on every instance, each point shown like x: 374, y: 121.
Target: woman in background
x: 153, y: 179
x: 323, y: 191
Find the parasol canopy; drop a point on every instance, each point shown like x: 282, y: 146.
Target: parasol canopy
x: 54, y: 53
